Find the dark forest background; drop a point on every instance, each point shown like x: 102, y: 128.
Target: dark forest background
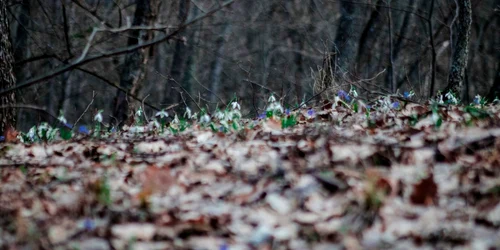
x: 245, y: 48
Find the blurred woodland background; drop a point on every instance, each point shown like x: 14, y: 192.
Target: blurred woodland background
x: 120, y: 53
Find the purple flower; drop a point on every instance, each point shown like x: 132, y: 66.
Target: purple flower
x: 344, y: 95
x: 82, y: 129
x: 68, y: 125
x: 310, y: 112
x: 2, y: 138
x: 395, y: 105
x: 262, y: 116
x: 89, y: 224
x: 224, y: 247
x: 287, y: 112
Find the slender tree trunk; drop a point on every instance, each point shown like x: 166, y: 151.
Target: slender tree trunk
x: 192, y: 55
x: 392, y: 83
x: 216, y: 69
x: 7, y: 79
x: 347, y: 37
x: 461, y: 51
x: 133, y: 71
x: 179, y: 60
x: 495, y: 88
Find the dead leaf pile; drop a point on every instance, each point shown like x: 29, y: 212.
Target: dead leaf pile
x: 392, y: 180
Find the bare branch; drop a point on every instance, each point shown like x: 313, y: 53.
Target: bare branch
x: 84, y: 60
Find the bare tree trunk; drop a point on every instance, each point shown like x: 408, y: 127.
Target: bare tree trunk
x: 392, y: 83
x: 495, y: 88
x: 191, y: 54
x: 216, y: 69
x: 461, y: 52
x: 20, y: 47
x: 367, y: 54
x: 7, y: 79
x: 347, y: 37
x: 133, y: 71
x: 179, y: 59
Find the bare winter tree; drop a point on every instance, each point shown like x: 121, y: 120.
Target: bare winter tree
x: 460, y: 54
x: 133, y: 71
x: 7, y: 79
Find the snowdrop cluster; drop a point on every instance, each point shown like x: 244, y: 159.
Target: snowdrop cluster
x: 274, y: 106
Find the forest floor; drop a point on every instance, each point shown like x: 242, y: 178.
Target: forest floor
x: 413, y: 178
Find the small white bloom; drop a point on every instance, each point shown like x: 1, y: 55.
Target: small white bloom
x: 62, y: 119
x: 451, y: 97
x: 98, y: 116
x: 236, y: 105
x: 219, y: 115
x: 176, y: 119
x: 353, y: 91
x: 187, y: 114
x: 274, y: 107
x: 162, y: 114
x: 32, y: 133
x: 271, y: 99
x: 139, y: 112
x: 440, y: 101
x: 205, y: 118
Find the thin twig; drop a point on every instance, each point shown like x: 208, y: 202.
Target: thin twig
x: 143, y: 110
x: 85, y: 111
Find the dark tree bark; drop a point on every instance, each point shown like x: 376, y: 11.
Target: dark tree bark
x: 347, y: 37
x: 461, y: 52
x: 133, y: 70
x: 216, y: 67
x: 179, y: 60
x: 495, y: 88
x: 7, y: 79
x: 367, y: 54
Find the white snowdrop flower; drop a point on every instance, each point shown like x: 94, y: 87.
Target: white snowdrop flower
x: 440, y: 101
x: 274, y: 107
x: 205, y: 118
x: 32, y: 132
x: 335, y: 102
x: 271, y: 99
x: 451, y: 97
x: 62, y: 119
x: 353, y: 92
x: 139, y: 112
x: 219, y: 115
x: 41, y: 128
x: 176, y: 119
x: 98, y: 116
x: 162, y: 114
x: 236, y: 105
x: 187, y: 114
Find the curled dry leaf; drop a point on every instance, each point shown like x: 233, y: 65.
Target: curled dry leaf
x: 425, y: 192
